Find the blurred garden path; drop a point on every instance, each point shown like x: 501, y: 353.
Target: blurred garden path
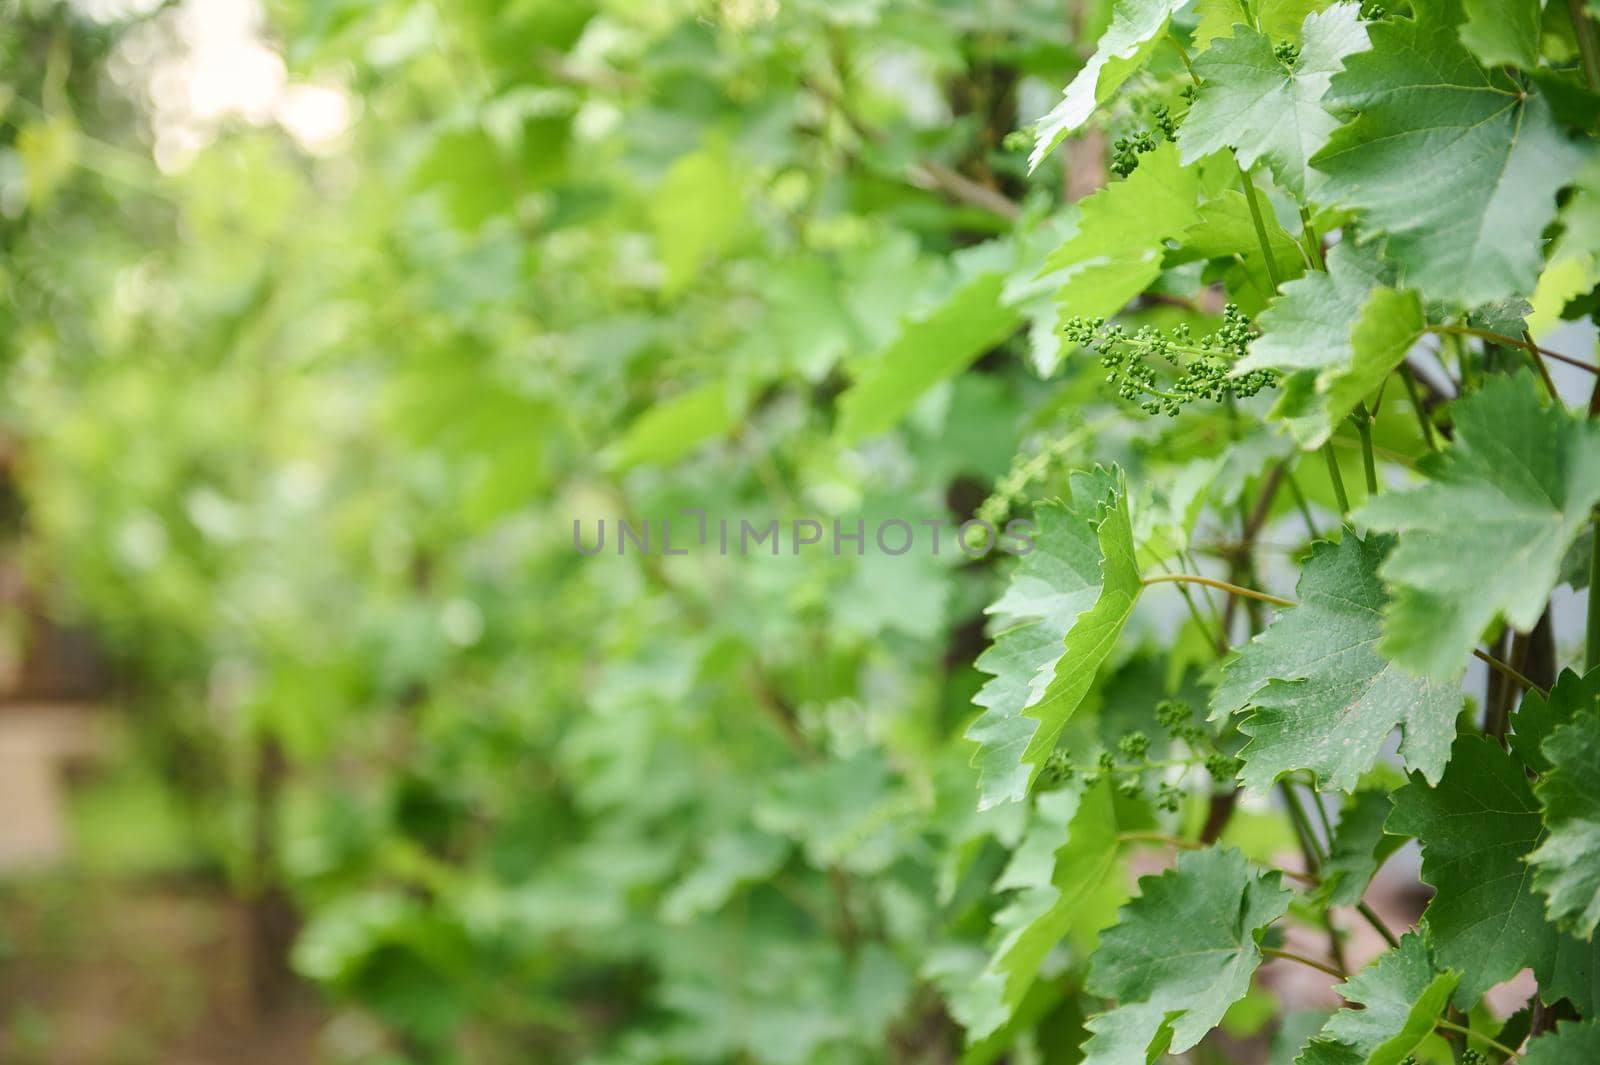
x: 39, y: 743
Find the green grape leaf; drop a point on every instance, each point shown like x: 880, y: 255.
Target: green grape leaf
x: 838, y: 811
x: 1359, y: 848
x: 1487, y: 533
x: 1539, y: 716
x: 1572, y: 267
x: 1264, y: 108
x: 1390, y: 324
x: 1567, y: 865
x: 1345, y: 326
x: 1324, y: 698
x: 1048, y: 906
x: 1503, y: 32
x: 1067, y: 603
x: 1401, y: 994
x: 728, y: 860
x: 1477, y: 828
x: 1572, y: 1043
x: 1567, y: 869
x: 1308, y: 326
x: 674, y: 427
x: 1117, y: 249
x: 1225, y: 229
x: 1214, y: 904
x: 1093, y: 635
x: 1576, y: 975
x: 937, y: 345
x: 697, y: 213
x: 1427, y: 117
x: 1135, y: 26
x: 1278, y: 19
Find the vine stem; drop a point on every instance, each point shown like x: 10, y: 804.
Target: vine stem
x: 1212, y: 582
x: 1315, y: 857
x: 1156, y: 837
x: 1479, y: 1036
x: 1277, y: 600
x: 1313, y: 242
x: 1322, y: 813
x: 1261, y: 227
x: 1289, y: 955
x: 1183, y: 54
x: 1415, y: 395
x: 1310, y: 849
x: 1505, y: 669
x: 1219, y: 640
x: 1211, y: 607
x: 1300, y: 503
x: 1338, y: 480
x: 1583, y: 29
x: 1541, y: 366
x: 1363, y: 420
x: 1376, y: 922
x: 1512, y: 342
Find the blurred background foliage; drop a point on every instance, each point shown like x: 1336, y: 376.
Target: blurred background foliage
x: 322, y: 321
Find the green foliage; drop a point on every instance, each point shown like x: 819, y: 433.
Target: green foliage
x: 1321, y: 697
x: 1426, y: 116
x: 1060, y: 618
x: 1569, y: 792
x: 927, y: 350
x: 1502, y: 31
x: 1052, y: 898
x: 1399, y: 996
x: 1116, y: 249
x: 1217, y: 907
x: 1477, y: 828
x: 1359, y: 846
x: 1263, y: 107
x: 1278, y: 19
x: 303, y: 431
x: 1568, y: 1045
x: 1484, y: 535
x: 1135, y: 27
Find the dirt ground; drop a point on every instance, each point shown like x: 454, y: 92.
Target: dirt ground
x: 148, y: 975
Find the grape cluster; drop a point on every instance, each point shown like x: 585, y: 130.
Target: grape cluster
x: 1205, y: 367
x: 1176, y: 719
x: 1057, y: 769
x: 1125, y: 151
x: 1224, y: 768
x: 1286, y: 52
x: 1012, y: 488
x: 1018, y: 140
x: 1165, y: 122
x: 1372, y: 11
